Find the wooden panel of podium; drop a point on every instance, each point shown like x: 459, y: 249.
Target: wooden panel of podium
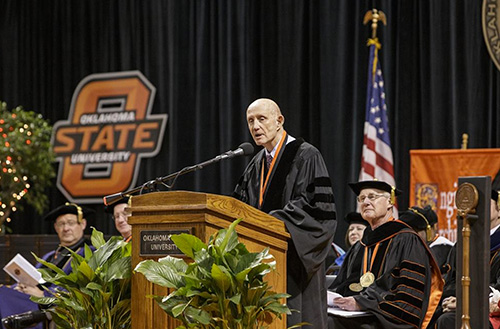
x: 202, y: 215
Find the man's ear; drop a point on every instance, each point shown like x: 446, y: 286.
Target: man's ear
x: 389, y: 204
x: 84, y: 223
x: 280, y: 120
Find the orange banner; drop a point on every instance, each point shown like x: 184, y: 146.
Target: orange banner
x: 434, y: 179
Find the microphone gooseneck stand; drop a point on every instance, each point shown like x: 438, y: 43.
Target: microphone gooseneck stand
x: 244, y: 149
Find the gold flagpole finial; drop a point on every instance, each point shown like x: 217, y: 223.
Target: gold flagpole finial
x: 465, y: 141
x: 374, y: 16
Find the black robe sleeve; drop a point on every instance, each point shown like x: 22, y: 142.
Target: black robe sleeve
x: 309, y: 210
x: 399, y: 298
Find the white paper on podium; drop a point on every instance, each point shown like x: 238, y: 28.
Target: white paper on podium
x: 23, y: 271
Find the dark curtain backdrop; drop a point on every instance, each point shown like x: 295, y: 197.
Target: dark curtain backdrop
x: 210, y: 59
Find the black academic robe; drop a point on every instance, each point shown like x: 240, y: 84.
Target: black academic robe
x: 15, y: 302
x: 407, y: 284
x: 300, y: 194
x: 495, y: 260
x: 440, y: 249
x: 448, y: 320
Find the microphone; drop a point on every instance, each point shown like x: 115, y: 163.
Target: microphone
x: 244, y: 149
x: 25, y: 320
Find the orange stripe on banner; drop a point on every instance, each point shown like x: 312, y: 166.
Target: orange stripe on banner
x: 434, y: 179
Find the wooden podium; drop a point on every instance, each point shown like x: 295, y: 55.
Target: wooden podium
x: 156, y: 215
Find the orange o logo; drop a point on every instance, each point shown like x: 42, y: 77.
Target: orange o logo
x: 109, y: 129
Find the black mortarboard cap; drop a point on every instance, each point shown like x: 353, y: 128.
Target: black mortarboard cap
x: 355, y: 218
x: 69, y: 208
x: 376, y: 184
x: 420, y: 219
x: 494, y: 195
x: 109, y: 209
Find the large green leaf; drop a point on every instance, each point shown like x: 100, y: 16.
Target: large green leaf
x: 221, y: 277
x: 160, y: 274
x: 198, y: 315
x: 102, y: 254
x: 188, y: 244
x: 43, y: 300
x: 228, y: 239
x: 49, y: 265
x: 177, y: 264
x: 60, y: 321
x: 87, y: 252
x: 250, y: 260
x: 204, y: 261
x: 97, y: 238
x: 85, y: 269
x: 120, y: 269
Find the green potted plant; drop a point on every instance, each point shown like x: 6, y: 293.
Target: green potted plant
x: 96, y: 293
x: 223, y: 287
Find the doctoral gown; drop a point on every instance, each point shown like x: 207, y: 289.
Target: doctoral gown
x: 447, y: 320
x: 440, y: 248
x: 15, y: 302
x: 407, y: 284
x: 300, y: 194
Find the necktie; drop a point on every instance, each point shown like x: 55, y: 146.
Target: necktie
x: 269, y: 159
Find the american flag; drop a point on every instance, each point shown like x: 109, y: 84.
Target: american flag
x: 376, y: 159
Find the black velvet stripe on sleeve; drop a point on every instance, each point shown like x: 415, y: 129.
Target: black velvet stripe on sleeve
x: 323, y: 197
x: 413, y: 267
x: 407, y: 298
x: 319, y: 213
x: 320, y: 182
x: 401, y: 314
x: 409, y: 282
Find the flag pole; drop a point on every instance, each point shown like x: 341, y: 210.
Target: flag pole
x: 374, y: 16
x: 376, y: 156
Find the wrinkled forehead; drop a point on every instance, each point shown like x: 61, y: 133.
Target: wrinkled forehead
x: 66, y: 217
x: 261, y: 109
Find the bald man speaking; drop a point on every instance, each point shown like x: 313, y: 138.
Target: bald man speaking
x: 289, y: 180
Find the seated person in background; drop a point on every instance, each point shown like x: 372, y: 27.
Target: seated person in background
x: 120, y: 217
x: 353, y: 234
x: 334, y: 253
x: 355, y: 230
x: 390, y: 273
x: 69, y: 223
x: 446, y: 313
x: 424, y: 221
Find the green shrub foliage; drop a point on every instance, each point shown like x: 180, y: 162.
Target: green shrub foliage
x: 96, y: 294
x: 222, y: 288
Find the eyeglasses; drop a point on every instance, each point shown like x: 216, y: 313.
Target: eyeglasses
x: 123, y: 215
x: 372, y: 197
x: 70, y: 223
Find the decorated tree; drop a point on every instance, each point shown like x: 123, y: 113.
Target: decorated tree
x: 26, y: 161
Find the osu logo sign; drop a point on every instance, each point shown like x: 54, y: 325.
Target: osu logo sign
x: 108, y: 131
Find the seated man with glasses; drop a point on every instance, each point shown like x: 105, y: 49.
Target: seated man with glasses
x: 390, y: 273
x: 69, y: 223
x: 119, y: 214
